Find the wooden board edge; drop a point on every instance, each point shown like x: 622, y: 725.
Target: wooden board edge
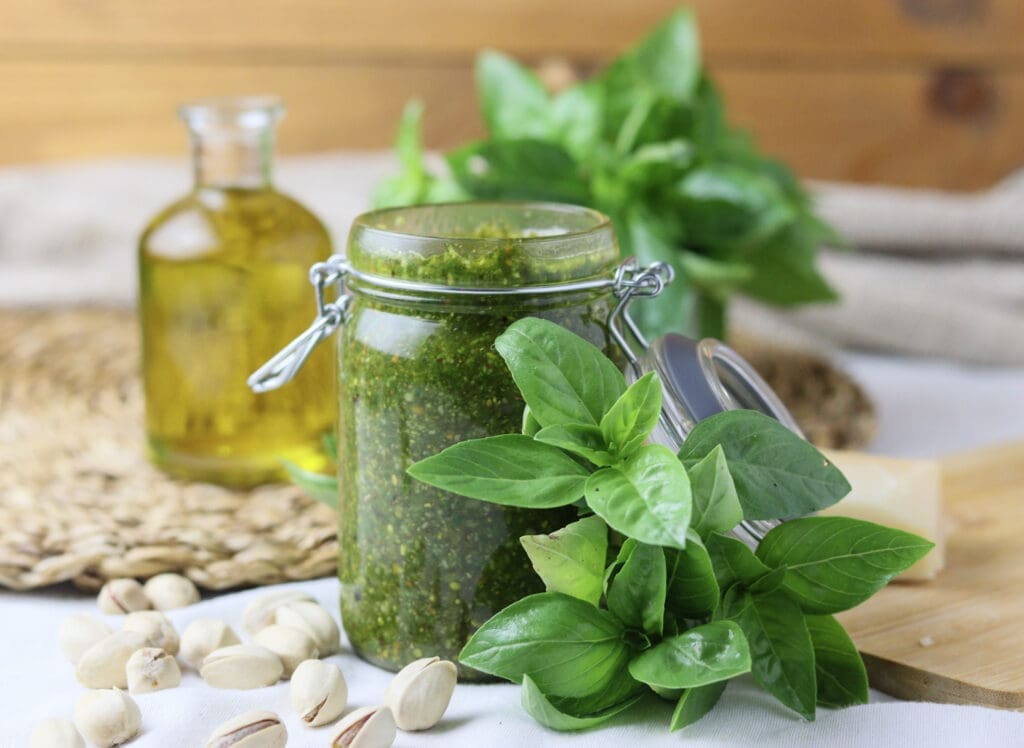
x: 912, y: 684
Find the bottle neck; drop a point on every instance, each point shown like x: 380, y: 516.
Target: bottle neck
x: 232, y: 140
x: 233, y: 158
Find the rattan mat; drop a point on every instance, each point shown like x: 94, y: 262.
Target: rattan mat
x: 80, y: 503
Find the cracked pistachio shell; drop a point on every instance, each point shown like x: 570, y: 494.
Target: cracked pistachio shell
x: 260, y: 612
x: 78, y: 632
x: 367, y: 727
x: 103, y: 664
x: 311, y: 618
x: 202, y: 636
x: 56, y: 733
x: 318, y: 692
x: 107, y: 717
x: 250, y: 730
x: 120, y: 596
x: 241, y: 666
x: 152, y: 669
x: 291, y: 645
x: 156, y: 627
x: 169, y: 591
x: 419, y: 694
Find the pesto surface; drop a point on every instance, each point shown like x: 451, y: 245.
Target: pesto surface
x: 421, y: 569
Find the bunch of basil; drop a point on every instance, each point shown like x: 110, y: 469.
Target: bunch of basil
x: 647, y: 591
x: 646, y: 142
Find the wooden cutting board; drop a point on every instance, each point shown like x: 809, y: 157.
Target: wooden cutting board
x: 959, y: 638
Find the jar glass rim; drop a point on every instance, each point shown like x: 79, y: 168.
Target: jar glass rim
x: 484, y: 243
x: 372, y: 221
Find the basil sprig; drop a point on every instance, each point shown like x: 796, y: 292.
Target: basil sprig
x: 667, y: 603
x: 647, y: 142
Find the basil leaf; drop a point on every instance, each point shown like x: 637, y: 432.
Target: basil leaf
x: 777, y: 474
x: 666, y: 62
x: 780, y: 646
x: 637, y: 594
x: 695, y: 703
x: 842, y: 679
x: 518, y: 169
x: 576, y: 115
x: 784, y: 270
x: 670, y: 311
x: 647, y: 497
x: 569, y: 647
x: 769, y: 582
x: 530, y: 424
x: 706, y: 654
x: 581, y: 439
x: 718, y: 278
x: 654, y: 164
x: 322, y: 488
x: 734, y: 562
x: 513, y: 101
x: 547, y: 712
x: 563, y: 378
x: 835, y: 563
x: 626, y: 426
x: 625, y: 550
x: 571, y: 560
x: 693, y: 591
x: 511, y: 470
x: 727, y: 206
x: 716, y: 508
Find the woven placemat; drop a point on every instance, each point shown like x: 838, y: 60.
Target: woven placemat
x: 80, y: 503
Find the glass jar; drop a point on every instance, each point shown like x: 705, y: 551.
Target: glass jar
x: 422, y: 569
x: 422, y: 296
x: 223, y: 280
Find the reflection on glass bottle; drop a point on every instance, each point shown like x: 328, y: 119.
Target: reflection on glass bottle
x: 223, y: 286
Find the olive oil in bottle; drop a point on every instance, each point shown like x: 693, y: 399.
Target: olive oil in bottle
x: 223, y: 278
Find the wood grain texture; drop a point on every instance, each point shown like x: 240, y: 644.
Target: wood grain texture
x: 865, y: 33
x: 958, y: 639
x: 910, y: 92
x: 815, y: 120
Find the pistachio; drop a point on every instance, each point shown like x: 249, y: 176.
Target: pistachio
x: 78, y: 632
x: 419, y: 694
x: 152, y: 669
x: 203, y: 636
x: 103, y: 664
x: 311, y: 618
x: 250, y: 730
x: 318, y: 692
x: 56, y: 733
x: 156, y: 627
x: 241, y: 666
x: 169, y: 591
x: 120, y: 596
x: 260, y: 612
x: 291, y: 645
x: 367, y: 727
x: 107, y: 717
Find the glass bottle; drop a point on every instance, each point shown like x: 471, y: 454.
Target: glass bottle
x: 223, y: 276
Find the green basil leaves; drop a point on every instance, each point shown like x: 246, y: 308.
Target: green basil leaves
x: 647, y: 591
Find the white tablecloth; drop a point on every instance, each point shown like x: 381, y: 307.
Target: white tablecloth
x: 926, y: 409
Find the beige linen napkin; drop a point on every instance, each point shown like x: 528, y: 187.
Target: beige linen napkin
x: 930, y: 273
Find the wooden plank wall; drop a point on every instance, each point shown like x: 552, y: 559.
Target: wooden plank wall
x: 915, y: 92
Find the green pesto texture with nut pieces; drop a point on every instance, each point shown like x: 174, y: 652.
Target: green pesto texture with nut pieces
x: 420, y: 568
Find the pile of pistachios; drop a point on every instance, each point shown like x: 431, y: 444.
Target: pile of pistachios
x: 289, y: 632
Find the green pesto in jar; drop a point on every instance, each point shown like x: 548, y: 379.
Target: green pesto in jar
x: 421, y: 569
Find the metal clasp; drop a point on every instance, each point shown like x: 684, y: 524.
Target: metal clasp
x: 632, y: 282
x: 283, y: 367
